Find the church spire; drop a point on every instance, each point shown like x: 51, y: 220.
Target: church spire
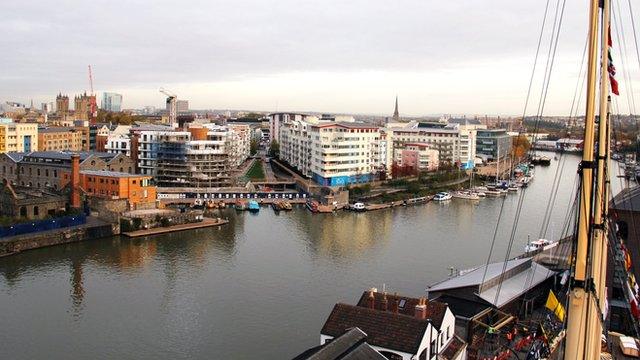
x: 396, y: 114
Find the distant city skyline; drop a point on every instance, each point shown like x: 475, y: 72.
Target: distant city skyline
x: 332, y: 56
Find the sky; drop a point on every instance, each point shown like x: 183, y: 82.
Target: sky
x: 452, y: 57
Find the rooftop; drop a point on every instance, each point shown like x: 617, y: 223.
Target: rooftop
x: 351, y: 345
x: 385, y: 329
x: 406, y: 306
x: 348, y: 125
x: 507, y: 282
x: 66, y: 155
x: 627, y: 200
x: 107, y: 173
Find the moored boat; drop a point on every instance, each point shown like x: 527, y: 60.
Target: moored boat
x: 465, y: 195
x: 240, y: 205
x: 358, y: 207
x: 254, y: 206
x: 442, y: 196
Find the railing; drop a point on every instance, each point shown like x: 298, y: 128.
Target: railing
x: 42, y: 225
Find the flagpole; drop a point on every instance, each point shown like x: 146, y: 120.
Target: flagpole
x: 578, y: 296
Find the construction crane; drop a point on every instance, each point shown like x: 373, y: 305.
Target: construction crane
x: 172, y: 106
x: 92, y: 99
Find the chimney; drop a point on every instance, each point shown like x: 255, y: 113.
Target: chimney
x: 371, y: 300
x: 75, y: 181
x: 394, y: 304
x: 384, y: 303
x: 421, y: 310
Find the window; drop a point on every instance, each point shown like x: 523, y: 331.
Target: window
x: 36, y: 211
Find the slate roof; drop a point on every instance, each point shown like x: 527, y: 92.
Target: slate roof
x: 351, y: 345
x: 66, y: 155
x: 384, y: 329
x: 16, y: 156
x: 435, y: 310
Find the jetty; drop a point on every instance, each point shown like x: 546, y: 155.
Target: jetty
x: 206, y: 222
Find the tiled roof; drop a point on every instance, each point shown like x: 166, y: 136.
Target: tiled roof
x: 64, y: 155
x: 406, y: 306
x: 351, y: 345
x: 384, y: 329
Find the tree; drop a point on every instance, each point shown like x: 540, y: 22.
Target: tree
x: 274, y: 148
x: 254, y: 146
x: 520, y: 146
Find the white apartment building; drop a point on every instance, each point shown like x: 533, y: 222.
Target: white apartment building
x: 343, y: 153
x: 118, y: 144
x: 277, y: 120
x: 455, y: 143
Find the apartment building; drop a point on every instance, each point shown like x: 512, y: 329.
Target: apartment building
x: 277, y: 120
x: 416, y: 156
x: 343, y: 153
x: 455, y: 143
x: 18, y: 137
x: 63, y: 139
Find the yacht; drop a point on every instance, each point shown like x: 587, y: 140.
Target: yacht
x: 442, y: 196
x: 536, y: 245
x: 466, y: 195
x: 358, y: 207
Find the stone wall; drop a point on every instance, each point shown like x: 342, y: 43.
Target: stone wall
x: 20, y: 243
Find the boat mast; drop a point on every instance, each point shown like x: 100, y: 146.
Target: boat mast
x: 579, y: 297
x: 599, y: 242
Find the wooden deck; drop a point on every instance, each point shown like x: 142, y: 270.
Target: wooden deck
x: 163, y: 230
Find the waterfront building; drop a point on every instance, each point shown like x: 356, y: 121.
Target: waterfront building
x: 43, y: 169
x: 202, y: 155
x: 494, y: 293
x: 62, y: 139
x: 446, y: 139
x: 490, y: 142
x: 276, y: 120
x: 333, y: 151
x: 422, y: 329
x: 343, y: 153
x: 18, y: 137
x: 62, y: 104
x: 111, y: 102
x: 417, y: 157
x: 19, y: 202
x: 136, y: 189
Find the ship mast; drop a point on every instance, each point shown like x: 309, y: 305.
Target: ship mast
x: 587, y: 295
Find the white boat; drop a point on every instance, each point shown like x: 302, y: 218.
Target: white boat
x: 513, y: 187
x: 358, y: 207
x: 442, y: 196
x: 492, y: 192
x: 466, y: 195
x: 536, y: 245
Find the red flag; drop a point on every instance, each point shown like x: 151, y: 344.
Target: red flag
x: 609, y: 36
x: 614, y: 85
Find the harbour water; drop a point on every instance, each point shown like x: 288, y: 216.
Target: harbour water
x: 259, y: 287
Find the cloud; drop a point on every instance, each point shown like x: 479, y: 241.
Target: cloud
x: 137, y: 46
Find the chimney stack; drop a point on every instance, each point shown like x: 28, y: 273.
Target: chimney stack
x: 75, y: 181
x: 384, y: 303
x: 371, y: 300
x: 394, y: 304
x: 421, y: 310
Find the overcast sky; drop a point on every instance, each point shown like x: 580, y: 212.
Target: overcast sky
x: 464, y: 56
